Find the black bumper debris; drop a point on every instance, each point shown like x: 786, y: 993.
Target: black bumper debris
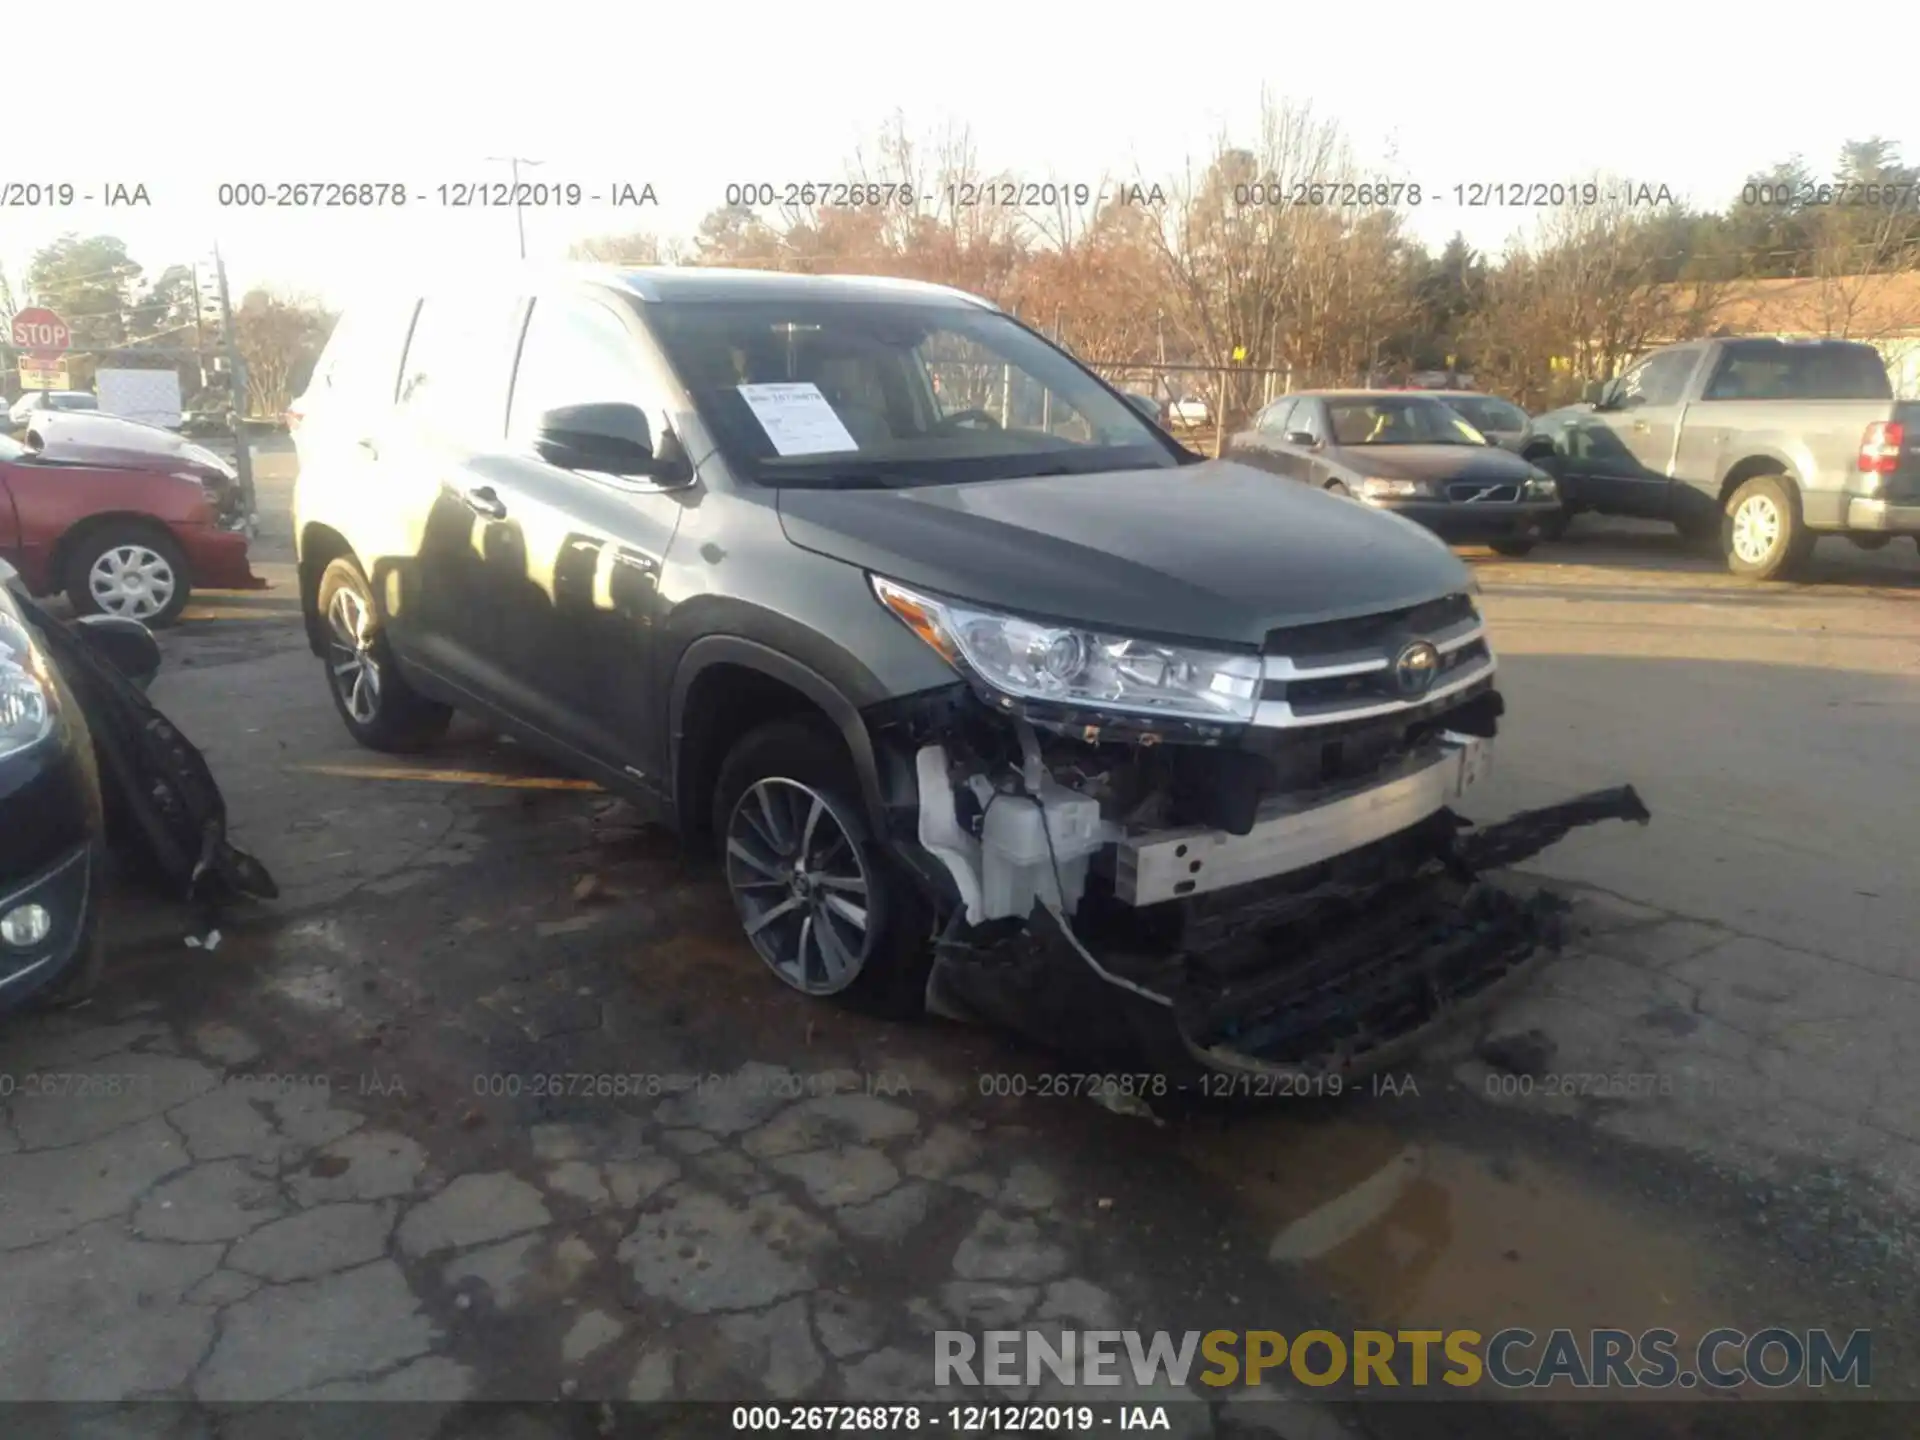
x: 1337, y: 972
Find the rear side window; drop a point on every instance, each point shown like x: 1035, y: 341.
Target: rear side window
x: 361, y: 365
x: 1800, y: 372
x: 459, y: 365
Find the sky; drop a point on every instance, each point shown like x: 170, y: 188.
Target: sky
x: 418, y: 95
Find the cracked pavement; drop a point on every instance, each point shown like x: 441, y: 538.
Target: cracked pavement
x: 494, y: 1105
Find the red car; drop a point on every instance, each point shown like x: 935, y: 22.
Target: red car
x: 127, y: 519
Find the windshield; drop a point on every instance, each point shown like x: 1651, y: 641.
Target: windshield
x: 1398, y: 420
x: 843, y: 392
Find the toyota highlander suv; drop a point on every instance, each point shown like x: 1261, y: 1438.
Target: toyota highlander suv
x: 981, y: 690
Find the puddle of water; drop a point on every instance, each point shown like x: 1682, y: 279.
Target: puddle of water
x: 1423, y: 1235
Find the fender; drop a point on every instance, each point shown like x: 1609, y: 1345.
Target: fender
x: 714, y: 650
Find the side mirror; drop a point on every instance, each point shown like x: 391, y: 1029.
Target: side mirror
x: 611, y: 437
x: 1594, y: 393
x: 1145, y: 404
x: 127, y: 644
x: 1301, y: 437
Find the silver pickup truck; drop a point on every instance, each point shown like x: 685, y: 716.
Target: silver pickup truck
x: 1757, y: 445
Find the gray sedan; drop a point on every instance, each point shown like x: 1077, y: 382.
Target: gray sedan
x: 1406, y: 453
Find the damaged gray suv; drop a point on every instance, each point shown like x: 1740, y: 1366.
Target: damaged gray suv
x: 983, y: 691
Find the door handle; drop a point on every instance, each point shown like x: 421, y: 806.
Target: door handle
x: 482, y: 501
x: 1640, y: 427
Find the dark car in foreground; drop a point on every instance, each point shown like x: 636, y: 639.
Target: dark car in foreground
x: 127, y: 519
x: 1405, y: 453
x: 1755, y: 446
x: 982, y: 690
x: 88, y: 770
x: 52, y: 822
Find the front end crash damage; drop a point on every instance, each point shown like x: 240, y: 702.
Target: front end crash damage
x: 1299, y: 902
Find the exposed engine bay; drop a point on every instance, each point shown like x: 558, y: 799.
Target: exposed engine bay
x: 1296, y: 895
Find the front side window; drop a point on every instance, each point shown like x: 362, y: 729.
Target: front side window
x: 1657, y: 380
x: 1398, y: 420
x: 459, y: 364
x: 1273, y: 420
x: 578, y: 351
x: 838, y: 392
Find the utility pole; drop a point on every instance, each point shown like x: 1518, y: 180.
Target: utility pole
x: 199, y: 329
x: 237, y: 379
x: 519, y: 220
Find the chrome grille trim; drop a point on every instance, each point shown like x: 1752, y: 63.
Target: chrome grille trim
x: 1280, y: 714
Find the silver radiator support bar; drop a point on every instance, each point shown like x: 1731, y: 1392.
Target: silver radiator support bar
x: 1296, y: 831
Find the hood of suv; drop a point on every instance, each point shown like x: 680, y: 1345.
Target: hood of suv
x: 1217, y: 551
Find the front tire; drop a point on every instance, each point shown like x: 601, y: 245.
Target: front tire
x: 821, y: 902
x: 1334, y: 487
x: 381, y: 710
x: 129, y: 568
x: 1761, y: 532
x: 1515, y: 545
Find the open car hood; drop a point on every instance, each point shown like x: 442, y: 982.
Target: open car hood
x: 108, y: 440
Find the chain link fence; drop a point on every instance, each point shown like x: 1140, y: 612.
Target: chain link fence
x: 1201, y: 404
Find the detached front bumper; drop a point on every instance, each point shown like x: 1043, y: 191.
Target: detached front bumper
x: 1333, y: 938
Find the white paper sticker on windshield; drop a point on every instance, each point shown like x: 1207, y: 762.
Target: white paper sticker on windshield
x: 797, y: 418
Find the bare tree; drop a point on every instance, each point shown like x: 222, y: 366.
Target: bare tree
x: 1239, y: 254
x: 637, y: 248
x: 279, y: 338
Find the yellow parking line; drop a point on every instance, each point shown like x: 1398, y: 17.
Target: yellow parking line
x: 449, y: 777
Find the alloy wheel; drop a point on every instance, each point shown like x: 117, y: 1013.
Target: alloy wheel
x: 1756, y: 529
x: 132, y: 580
x: 352, y: 668
x: 800, y: 885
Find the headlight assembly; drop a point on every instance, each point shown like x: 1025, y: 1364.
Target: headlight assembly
x: 1073, y: 666
x: 26, y: 704
x: 1374, y: 488
x: 1542, y: 487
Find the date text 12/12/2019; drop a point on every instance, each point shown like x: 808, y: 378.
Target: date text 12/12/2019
x: 948, y: 1419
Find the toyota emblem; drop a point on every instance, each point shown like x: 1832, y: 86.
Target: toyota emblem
x: 1415, y: 667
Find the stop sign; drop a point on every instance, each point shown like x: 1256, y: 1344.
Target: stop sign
x: 40, y: 332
